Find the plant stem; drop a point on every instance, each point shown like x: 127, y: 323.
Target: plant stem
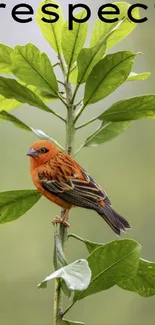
x: 76, y: 153
x: 101, y: 126
x: 62, y: 100
x: 59, y: 116
x: 79, y: 112
x: 70, y: 131
x: 60, y: 82
x: 55, y: 65
x: 57, y: 304
x: 68, y: 308
x: 79, y: 103
x: 87, y: 123
x: 75, y: 92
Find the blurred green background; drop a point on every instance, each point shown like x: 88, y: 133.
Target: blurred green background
x: 125, y: 167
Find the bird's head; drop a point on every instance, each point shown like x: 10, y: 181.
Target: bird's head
x: 41, y: 151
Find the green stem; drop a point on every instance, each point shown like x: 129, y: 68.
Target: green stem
x: 79, y: 112
x: 76, y: 153
x: 56, y: 64
x: 70, y: 132
x: 74, y: 67
x: 90, y: 137
x: 59, y: 116
x: 62, y: 100
x: 96, y: 131
x: 68, y: 308
x: 57, y: 144
x: 60, y: 82
x: 86, y: 123
x: 79, y: 103
x: 57, y: 312
x: 75, y: 92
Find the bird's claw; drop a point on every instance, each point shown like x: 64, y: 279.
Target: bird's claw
x: 60, y: 220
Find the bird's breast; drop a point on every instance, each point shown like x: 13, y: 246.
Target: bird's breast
x: 50, y: 196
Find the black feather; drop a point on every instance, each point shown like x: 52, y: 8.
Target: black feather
x: 114, y: 219
x: 87, y: 194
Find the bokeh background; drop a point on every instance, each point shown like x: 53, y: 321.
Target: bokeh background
x: 125, y: 167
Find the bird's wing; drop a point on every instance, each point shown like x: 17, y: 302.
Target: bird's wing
x: 84, y: 192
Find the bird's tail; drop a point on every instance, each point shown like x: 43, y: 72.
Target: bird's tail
x: 114, y: 219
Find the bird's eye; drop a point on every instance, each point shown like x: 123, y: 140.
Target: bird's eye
x: 43, y: 150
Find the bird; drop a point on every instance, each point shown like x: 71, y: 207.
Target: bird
x: 59, y: 177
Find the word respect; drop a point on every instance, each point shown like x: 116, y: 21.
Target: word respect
x: 19, y: 11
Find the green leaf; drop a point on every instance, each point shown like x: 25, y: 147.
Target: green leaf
x: 106, y: 132
x: 73, y: 40
x: 34, y: 68
x: 8, y: 117
x: 88, y: 58
x: 110, y: 264
x: 5, y: 61
x: 51, y: 31
x: 59, y: 257
x: 8, y: 104
x: 131, y: 109
x: 73, y: 76
x: 76, y: 275
x: 14, y: 204
x: 46, y: 97
x: 10, y: 88
x: 143, y: 282
x: 70, y: 322
x: 11, y: 118
x: 40, y: 134
x: 138, y: 76
x: 101, y: 29
x: 108, y: 75
x: 91, y: 246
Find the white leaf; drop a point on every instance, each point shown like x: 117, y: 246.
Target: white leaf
x: 77, y: 275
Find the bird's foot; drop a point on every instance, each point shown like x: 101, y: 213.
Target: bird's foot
x: 60, y: 220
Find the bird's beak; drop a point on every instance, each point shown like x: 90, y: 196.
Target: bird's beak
x: 32, y: 153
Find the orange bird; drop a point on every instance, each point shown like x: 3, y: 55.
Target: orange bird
x: 63, y: 181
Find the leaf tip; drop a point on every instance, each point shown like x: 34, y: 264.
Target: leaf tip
x: 42, y: 285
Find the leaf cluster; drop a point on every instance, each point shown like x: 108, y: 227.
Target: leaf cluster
x: 101, y: 74
x: 115, y: 263
x: 30, y: 78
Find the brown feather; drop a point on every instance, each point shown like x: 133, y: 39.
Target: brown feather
x: 63, y: 181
